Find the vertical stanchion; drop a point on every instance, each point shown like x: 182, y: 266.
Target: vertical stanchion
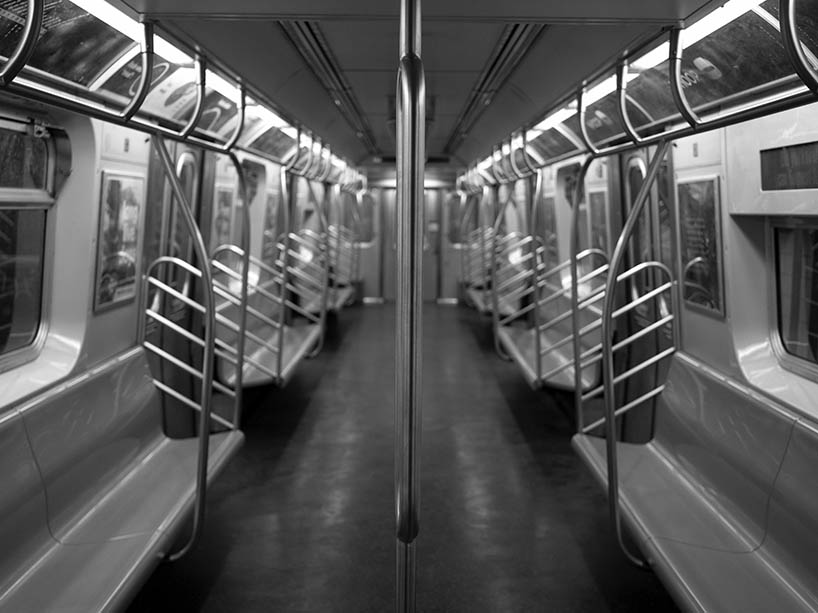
x: 411, y: 156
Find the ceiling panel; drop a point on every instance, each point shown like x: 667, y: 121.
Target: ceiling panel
x: 543, y: 11
x: 459, y: 38
x: 260, y: 52
x: 552, y: 69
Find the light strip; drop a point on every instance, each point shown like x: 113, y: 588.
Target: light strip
x: 716, y: 19
x: 266, y: 115
x: 555, y: 118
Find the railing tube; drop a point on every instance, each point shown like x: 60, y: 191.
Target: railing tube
x: 244, y: 245
x: 495, y: 297
x: 788, y: 11
x: 411, y: 126
x: 25, y: 46
x: 201, y: 82
x: 573, y: 239
x: 145, y: 77
x: 608, y: 374
x: 209, y: 317
x: 622, y: 97
x: 583, y: 127
x: 538, y: 194
x: 675, y: 69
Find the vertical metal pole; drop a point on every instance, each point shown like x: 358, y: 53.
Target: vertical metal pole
x: 607, y: 347
x: 411, y: 156
x: 578, y: 197
x: 207, y: 359
x: 244, y: 243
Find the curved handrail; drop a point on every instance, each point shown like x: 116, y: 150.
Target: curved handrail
x: 608, y: 374
x: 578, y: 196
x: 245, y: 271
x: 622, y: 99
x: 25, y: 46
x: 495, y: 298
x: 198, y: 107
x: 145, y: 77
x: 792, y: 43
x: 675, y: 70
x: 583, y: 127
x: 209, y: 318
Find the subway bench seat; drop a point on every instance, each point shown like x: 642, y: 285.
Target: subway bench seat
x: 519, y: 340
x: 262, y: 342
x: 93, y: 494
x: 723, y: 502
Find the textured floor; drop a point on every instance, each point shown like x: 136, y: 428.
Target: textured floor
x: 302, y: 519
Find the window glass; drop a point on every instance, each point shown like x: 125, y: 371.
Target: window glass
x: 744, y: 54
x: 806, y: 21
x: 173, y: 90
x: 797, y: 275
x: 602, y: 119
x: 22, y: 246
x: 23, y: 161
x: 274, y: 142
x: 552, y: 144
x: 73, y: 44
x: 366, y: 211
x: 217, y: 113
x: 700, y: 243
x: 649, y: 99
x: 598, y: 201
x: 546, y: 230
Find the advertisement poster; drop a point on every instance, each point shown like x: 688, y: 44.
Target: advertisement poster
x: 118, y: 238
x: 701, y: 249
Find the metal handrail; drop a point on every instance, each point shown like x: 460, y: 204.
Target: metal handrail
x: 411, y: 125
x: 494, y: 265
x: 789, y: 33
x: 608, y: 375
x: 25, y: 46
x: 200, y: 252
x: 578, y: 196
x: 145, y: 76
x: 755, y: 109
x: 198, y: 107
x: 244, y: 246
x: 676, y: 89
x: 622, y: 98
x: 583, y: 127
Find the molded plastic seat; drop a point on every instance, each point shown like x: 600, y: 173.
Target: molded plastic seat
x: 696, y: 497
x: 113, y: 494
x: 480, y: 298
x: 520, y: 344
x: 340, y: 296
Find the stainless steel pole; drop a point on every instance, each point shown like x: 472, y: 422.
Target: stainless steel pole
x: 411, y: 157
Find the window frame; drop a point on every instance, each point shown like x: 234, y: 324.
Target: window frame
x: 789, y: 361
x: 22, y: 199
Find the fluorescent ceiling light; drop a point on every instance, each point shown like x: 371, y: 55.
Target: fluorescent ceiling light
x: 556, y: 118
x: 652, y: 58
x: 703, y: 28
x: 716, y: 19
x: 265, y: 114
x: 221, y: 85
x: 485, y: 164
x: 131, y: 28
x: 290, y: 131
x: 113, y: 17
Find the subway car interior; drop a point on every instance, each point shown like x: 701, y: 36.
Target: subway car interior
x: 368, y: 306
